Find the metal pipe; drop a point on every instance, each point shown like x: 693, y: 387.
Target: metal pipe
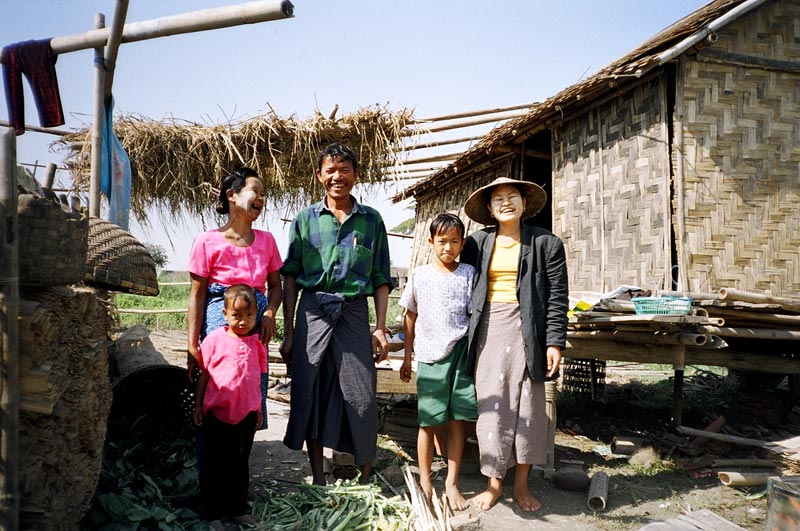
x: 9, y: 332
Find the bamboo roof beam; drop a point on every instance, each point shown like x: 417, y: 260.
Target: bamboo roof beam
x: 459, y: 125
x: 533, y: 153
x: 439, y: 143
x: 433, y: 158
x: 470, y: 114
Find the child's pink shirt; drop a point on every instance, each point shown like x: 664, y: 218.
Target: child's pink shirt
x: 234, y: 365
x: 214, y: 258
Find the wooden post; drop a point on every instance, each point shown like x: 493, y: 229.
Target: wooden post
x: 97, y: 123
x: 678, y: 364
x: 9, y: 334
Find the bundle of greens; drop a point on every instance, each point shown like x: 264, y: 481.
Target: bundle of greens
x: 347, y: 505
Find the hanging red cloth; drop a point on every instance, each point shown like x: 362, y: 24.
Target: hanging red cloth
x: 36, y: 60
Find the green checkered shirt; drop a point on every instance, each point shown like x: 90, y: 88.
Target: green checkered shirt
x: 351, y: 258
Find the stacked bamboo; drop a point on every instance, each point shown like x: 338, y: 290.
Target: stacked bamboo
x: 65, y: 400
x: 728, y: 329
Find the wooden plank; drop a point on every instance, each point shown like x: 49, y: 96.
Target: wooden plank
x: 389, y: 382
x: 705, y: 519
x: 588, y: 349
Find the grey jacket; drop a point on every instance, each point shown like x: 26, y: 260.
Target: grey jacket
x: 542, y: 292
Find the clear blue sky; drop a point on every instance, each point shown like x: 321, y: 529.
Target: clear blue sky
x: 436, y: 57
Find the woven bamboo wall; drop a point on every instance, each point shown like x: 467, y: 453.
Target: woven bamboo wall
x: 450, y: 199
x: 741, y: 131
x: 611, y: 191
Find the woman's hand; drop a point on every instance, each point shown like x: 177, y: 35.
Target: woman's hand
x: 553, y: 360
x: 267, y: 330
x: 193, y: 362
x: 198, y: 415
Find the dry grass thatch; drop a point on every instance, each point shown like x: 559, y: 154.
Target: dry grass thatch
x: 176, y: 164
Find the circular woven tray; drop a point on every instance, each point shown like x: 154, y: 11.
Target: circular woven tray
x: 117, y: 261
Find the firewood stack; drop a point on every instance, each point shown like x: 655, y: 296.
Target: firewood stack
x: 64, y: 403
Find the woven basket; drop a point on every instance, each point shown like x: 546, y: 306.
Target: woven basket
x: 117, y: 261
x: 52, y: 243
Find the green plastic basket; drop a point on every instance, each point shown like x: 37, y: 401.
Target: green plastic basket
x: 662, y: 305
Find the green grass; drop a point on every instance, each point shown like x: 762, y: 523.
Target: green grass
x: 177, y: 297
x: 169, y: 298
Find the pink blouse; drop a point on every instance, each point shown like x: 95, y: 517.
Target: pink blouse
x: 214, y: 258
x: 234, y: 366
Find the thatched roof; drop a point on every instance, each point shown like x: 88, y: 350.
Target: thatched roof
x: 177, y: 164
x: 609, y: 79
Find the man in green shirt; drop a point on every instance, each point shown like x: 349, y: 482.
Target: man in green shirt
x: 338, y: 256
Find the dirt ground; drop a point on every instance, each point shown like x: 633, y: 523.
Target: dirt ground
x: 654, y: 490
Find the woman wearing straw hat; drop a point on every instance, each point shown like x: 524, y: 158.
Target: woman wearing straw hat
x: 517, y: 330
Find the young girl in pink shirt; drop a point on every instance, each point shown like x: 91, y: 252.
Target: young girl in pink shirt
x: 228, y: 407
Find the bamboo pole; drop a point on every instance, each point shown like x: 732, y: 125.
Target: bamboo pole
x: 37, y: 129
x: 114, y: 39
x: 679, y: 231
x: 97, y: 124
x: 49, y: 175
x: 743, y: 478
x: 416, y: 170
x: 9, y: 334
x: 790, y: 305
x: 643, y: 337
x: 206, y: 19
x: 434, y: 158
x: 598, y: 492
x: 764, y: 317
x: 439, y: 143
x: 752, y: 333
x: 459, y: 125
x: 469, y: 114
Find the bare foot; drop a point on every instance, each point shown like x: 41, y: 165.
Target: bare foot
x: 525, y: 500
x: 487, y: 498
x: 455, y: 499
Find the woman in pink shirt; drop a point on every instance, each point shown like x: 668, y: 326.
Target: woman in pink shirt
x: 235, y: 253
x: 228, y: 406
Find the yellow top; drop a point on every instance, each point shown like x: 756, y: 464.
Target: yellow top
x: 503, y: 272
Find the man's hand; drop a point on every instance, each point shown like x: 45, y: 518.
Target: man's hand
x: 380, y: 346
x: 285, y: 351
